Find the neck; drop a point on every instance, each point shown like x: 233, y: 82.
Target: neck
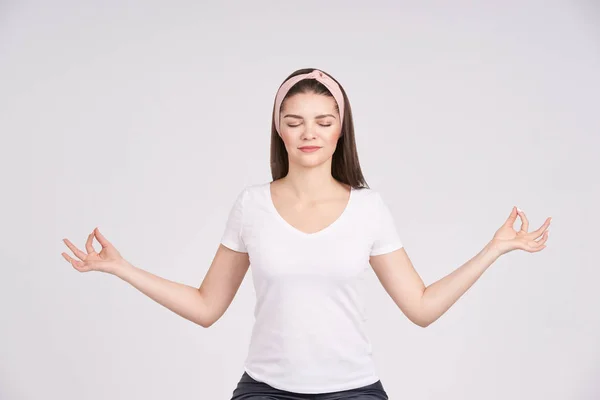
x: 310, y: 183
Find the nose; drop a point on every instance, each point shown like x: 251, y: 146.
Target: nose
x: 309, y: 131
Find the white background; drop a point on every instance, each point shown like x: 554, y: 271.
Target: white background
x: 147, y: 118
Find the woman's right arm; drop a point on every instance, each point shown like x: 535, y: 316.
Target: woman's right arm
x: 203, y: 305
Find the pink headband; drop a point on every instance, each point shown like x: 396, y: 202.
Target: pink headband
x: 320, y: 76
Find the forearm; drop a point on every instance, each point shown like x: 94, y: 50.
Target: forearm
x: 441, y: 295
x: 183, y: 300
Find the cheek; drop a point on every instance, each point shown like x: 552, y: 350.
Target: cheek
x: 332, y: 138
x: 287, y: 140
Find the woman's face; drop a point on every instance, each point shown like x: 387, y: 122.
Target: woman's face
x: 309, y: 119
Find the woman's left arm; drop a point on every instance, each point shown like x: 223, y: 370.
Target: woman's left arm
x: 423, y: 305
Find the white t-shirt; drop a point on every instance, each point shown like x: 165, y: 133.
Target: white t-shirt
x: 309, y: 334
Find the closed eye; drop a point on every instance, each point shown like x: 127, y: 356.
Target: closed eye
x: 293, y: 126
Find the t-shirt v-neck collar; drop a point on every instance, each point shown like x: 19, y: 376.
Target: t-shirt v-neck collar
x: 292, y: 228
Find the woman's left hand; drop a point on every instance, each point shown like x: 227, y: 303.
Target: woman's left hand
x: 508, y: 239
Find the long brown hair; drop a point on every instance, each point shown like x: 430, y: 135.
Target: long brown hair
x: 345, y: 166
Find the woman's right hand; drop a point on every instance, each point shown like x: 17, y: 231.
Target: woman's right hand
x: 108, y: 260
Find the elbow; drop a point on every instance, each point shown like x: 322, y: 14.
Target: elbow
x: 422, y: 323
x: 422, y: 316
x: 202, y: 324
x: 203, y: 315
x: 205, y: 322
x: 425, y: 322
x: 421, y: 319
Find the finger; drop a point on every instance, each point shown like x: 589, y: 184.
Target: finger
x: 512, y: 217
x: 538, y: 232
x: 78, y: 265
x: 524, y: 221
x: 544, y: 238
x: 101, y: 239
x: 89, y: 244
x: 533, y: 245
x: 535, y: 250
x: 78, y: 253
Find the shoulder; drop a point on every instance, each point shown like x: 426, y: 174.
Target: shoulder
x: 252, y: 189
x: 251, y: 196
x: 371, y: 202
x: 255, y: 190
x: 366, y: 195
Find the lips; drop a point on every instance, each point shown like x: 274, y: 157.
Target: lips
x: 309, y: 149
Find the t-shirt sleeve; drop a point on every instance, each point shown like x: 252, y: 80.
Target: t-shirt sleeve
x: 233, y: 235
x: 386, y: 238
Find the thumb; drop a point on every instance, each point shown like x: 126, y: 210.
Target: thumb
x: 512, y: 217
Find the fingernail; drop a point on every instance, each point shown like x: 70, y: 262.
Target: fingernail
x: 519, y: 210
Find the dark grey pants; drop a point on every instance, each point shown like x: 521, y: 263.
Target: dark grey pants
x: 250, y: 389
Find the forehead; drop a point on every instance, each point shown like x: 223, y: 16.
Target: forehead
x: 309, y: 102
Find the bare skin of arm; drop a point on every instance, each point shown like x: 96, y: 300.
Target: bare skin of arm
x: 423, y: 305
x: 203, y: 305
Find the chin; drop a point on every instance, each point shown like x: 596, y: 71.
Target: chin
x: 310, y: 163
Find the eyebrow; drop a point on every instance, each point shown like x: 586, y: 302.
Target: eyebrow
x: 317, y: 117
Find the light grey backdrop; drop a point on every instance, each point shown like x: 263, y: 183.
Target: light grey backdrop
x: 146, y: 119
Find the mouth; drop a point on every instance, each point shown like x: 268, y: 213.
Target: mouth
x: 309, y: 149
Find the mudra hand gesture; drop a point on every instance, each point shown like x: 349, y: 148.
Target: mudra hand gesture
x: 508, y: 239
x: 107, y: 260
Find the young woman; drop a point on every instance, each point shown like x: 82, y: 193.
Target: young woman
x: 310, y: 235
